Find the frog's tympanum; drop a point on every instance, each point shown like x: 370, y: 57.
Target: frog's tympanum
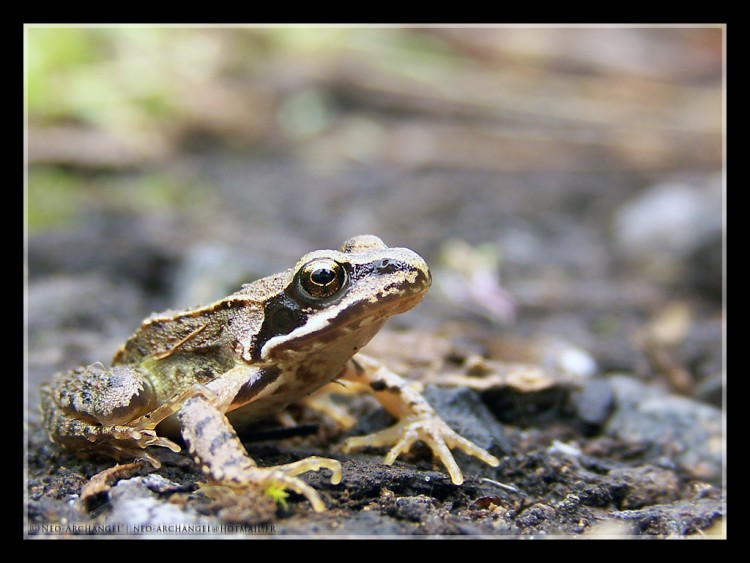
x: 205, y: 371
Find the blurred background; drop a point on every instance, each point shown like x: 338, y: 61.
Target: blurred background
x: 564, y: 184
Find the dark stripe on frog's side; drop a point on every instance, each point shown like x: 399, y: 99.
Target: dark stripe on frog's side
x: 255, y: 385
x: 377, y: 268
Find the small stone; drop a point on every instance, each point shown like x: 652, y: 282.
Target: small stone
x: 684, y: 431
x: 676, y: 519
x: 463, y: 410
x: 646, y: 486
x: 137, y: 510
x: 664, y: 226
x: 593, y: 404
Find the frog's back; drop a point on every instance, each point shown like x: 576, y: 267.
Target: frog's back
x: 202, y: 329
x: 165, y: 333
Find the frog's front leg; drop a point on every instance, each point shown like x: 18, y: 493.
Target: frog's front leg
x: 214, y: 444
x: 94, y: 410
x: 417, y: 419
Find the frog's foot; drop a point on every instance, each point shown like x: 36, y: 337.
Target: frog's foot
x: 130, y: 441
x: 282, y: 477
x: 121, y: 443
x: 126, y: 442
x: 431, y: 430
x: 417, y: 419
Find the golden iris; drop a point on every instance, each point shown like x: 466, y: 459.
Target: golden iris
x: 321, y: 279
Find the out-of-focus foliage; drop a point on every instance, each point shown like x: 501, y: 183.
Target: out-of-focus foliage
x: 114, y: 77
x: 504, y: 99
x: 55, y: 197
x: 130, y: 77
x: 58, y: 196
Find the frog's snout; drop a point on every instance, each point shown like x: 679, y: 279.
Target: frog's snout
x: 424, y: 276
x: 414, y: 263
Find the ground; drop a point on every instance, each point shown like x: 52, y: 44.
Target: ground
x: 607, y: 444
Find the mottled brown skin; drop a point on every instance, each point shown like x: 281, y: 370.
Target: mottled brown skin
x: 247, y: 356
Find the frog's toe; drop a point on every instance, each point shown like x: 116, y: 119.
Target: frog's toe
x: 125, y: 443
x: 387, y: 437
x: 281, y: 480
x: 119, y: 450
x: 136, y: 454
x: 284, y: 477
x: 141, y: 438
x: 313, y: 463
x: 434, y: 432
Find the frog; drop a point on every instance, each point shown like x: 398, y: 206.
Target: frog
x: 204, y: 372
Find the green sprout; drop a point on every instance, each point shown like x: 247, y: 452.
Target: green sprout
x: 278, y: 494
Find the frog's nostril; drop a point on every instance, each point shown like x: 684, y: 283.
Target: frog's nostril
x: 385, y: 266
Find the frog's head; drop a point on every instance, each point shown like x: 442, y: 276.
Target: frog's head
x: 339, y: 299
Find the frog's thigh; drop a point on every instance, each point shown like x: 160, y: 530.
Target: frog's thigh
x: 417, y: 419
x: 108, y: 396
x: 89, y: 410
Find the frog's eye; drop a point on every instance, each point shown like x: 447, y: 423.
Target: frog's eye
x: 321, y: 279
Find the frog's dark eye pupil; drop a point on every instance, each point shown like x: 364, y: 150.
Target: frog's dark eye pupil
x: 321, y: 280
x: 322, y: 276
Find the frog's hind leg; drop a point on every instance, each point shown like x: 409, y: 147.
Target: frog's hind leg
x: 216, y: 448
x: 214, y: 444
x: 91, y: 411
